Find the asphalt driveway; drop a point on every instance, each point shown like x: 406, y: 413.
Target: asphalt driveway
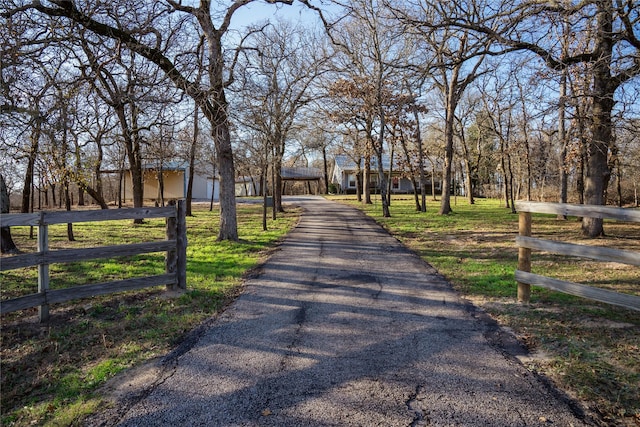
x: 342, y: 327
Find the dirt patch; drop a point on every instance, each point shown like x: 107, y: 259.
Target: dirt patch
x: 603, y: 323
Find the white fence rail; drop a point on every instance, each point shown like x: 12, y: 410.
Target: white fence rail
x: 526, y: 243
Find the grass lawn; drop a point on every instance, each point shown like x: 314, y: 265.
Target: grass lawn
x: 591, y: 350
x: 51, y: 372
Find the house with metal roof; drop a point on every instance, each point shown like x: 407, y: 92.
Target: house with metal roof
x: 345, y: 179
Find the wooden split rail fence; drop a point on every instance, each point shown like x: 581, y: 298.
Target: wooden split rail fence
x: 526, y: 243
x: 175, y: 246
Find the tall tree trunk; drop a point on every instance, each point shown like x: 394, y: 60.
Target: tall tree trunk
x: 562, y: 136
x: 562, y: 131
x: 619, y: 183
x: 433, y: 181
x: 510, y: 186
x: 28, y: 175
x: 366, y: 179
x: 447, y: 179
x: 503, y: 166
x: 130, y: 136
x: 160, y: 175
x: 379, y: 148
x: 598, y: 172
x: 274, y: 189
x: 192, y: 161
x: 326, y: 169
x: 383, y: 181
x: 279, y: 145
x: 67, y: 205
x: 418, y: 137
x: 359, y: 181
x: 224, y: 151
x: 263, y: 189
x: 390, y: 178
x: 79, y: 178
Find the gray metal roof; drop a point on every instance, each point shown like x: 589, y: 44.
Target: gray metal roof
x: 300, y: 173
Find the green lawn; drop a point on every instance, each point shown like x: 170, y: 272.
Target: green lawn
x: 51, y: 372
x: 589, y: 349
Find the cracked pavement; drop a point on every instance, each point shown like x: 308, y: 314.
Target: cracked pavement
x: 343, y: 326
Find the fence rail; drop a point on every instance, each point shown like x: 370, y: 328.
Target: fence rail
x: 175, y: 247
x: 526, y: 243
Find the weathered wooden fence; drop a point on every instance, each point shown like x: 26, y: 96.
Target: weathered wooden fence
x: 175, y: 246
x: 526, y: 243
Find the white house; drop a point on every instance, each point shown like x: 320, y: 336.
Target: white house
x: 345, y: 170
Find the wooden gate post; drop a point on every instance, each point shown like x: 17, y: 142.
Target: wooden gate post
x: 171, y: 257
x: 181, y: 244
x: 43, y: 269
x: 176, y: 259
x: 524, y: 256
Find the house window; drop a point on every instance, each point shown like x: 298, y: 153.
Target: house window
x: 395, y: 183
x: 352, y: 181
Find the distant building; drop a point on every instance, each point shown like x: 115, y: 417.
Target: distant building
x: 175, y: 176
x: 345, y: 170
x: 247, y: 186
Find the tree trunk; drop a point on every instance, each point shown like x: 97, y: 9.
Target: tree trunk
x: 132, y: 149
x: 279, y: 187
x: 466, y: 167
x: 67, y: 205
x: 192, y: 161
x: 390, y: 178
x: 95, y: 195
x: 326, y: 169
x: 418, y: 137
x: 598, y: 172
x: 562, y: 136
x: 263, y: 178
x: 28, y: 175
x: 382, y: 179
x: 359, y: 182
x: 503, y: 166
x: 379, y: 149
x: 510, y: 186
x: 160, y: 175
x: 451, y: 104
x: 228, y: 220
x: 7, y: 245
x: 445, y: 201
x: 366, y: 179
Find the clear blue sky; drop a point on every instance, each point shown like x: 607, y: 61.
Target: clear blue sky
x: 259, y: 11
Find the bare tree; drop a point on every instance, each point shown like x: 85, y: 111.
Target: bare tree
x: 610, y: 52
x: 277, y: 83
x: 148, y: 40
x: 370, y: 43
x: 452, y: 58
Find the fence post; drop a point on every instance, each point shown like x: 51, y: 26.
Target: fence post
x: 524, y: 256
x: 43, y: 269
x: 181, y: 244
x: 171, y: 258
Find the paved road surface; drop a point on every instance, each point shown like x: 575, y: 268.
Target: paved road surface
x: 342, y: 327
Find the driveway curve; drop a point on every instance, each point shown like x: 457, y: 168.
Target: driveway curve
x: 343, y: 326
